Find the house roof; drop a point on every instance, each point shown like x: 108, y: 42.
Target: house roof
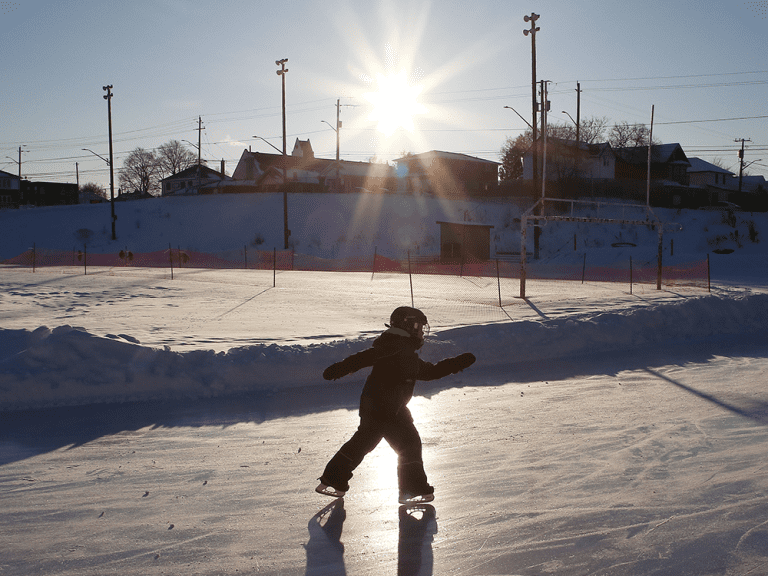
x: 448, y: 155
x: 699, y: 165
x: 8, y: 175
x: 660, y: 154
x: 191, y: 172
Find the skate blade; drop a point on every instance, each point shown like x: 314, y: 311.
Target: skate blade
x: 329, y: 491
x: 419, y: 499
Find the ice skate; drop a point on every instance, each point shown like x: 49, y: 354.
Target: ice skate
x: 415, y: 498
x: 329, y: 490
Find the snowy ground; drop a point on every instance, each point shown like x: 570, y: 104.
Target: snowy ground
x: 151, y: 425
x: 599, y: 432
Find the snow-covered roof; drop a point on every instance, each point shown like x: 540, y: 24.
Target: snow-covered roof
x: 448, y: 155
x: 699, y: 165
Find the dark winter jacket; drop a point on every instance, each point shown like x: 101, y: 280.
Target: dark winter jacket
x: 396, y: 367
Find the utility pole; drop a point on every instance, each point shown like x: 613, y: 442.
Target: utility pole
x: 108, y: 98
x: 578, y: 113
x: 21, y: 190
x: 534, y: 105
x: 286, y: 233
x: 199, y: 150
x: 544, y: 113
x: 741, y: 159
x: 199, y: 138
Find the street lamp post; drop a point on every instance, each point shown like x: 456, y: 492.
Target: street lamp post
x: 286, y: 233
x: 521, y: 117
x: 108, y: 98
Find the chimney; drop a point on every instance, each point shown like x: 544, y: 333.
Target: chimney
x: 222, y: 168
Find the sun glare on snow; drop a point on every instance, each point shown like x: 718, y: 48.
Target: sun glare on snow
x: 395, y: 103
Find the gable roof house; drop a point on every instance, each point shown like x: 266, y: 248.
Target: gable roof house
x: 192, y: 180
x: 448, y: 174
x: 305, y: 173
x: 702, y: 173
x: 668, y: 163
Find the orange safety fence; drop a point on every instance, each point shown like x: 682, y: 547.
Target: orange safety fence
x: 691, y: 273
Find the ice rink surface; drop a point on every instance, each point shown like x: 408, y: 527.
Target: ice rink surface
x: 647, y: 460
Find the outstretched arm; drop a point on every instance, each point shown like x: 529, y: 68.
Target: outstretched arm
x: 429, y: 371
x: 351, y: 364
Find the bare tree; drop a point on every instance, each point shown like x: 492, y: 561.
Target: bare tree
x: 95, y: 189
x: 140, y: 172
x: 592, y: 130
x: 626, y: 135
x: 173, y: 157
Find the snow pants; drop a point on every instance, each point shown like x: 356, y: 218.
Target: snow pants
x: 400, y: 433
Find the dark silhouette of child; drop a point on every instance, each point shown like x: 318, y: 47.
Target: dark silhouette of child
x: 383, y: 405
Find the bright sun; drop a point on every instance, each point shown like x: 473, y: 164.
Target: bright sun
x: 395, y: 104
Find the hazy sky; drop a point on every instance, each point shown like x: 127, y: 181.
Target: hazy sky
x: 702, y: 64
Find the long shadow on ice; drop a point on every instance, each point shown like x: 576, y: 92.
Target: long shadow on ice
x: 26, y: 433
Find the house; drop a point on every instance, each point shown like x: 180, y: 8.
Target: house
x: 303, y: 172
x: 753, y: 195
x: 668, y: 163
x: 448, y: 174
x: 10, y: 190
x: 48, y: 193
x: 567, y: 159
x: 348, y: 176
x: 191, y: 180
x: 702, y: 173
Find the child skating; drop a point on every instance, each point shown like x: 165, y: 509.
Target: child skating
x: 383, y: 410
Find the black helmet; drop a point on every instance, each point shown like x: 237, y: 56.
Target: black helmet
x: 410, y: 320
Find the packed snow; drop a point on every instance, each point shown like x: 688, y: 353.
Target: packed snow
x: 71, y: 339
x: 155, y: 425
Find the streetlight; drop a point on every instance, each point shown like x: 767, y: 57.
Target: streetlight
x: 577, y: 126
x: 268, y: 142
x: 521, y: 117
x: 283, y: 70
x: 95, y: 154
x: 112, y: 183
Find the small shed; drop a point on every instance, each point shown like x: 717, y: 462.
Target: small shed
x: 460, y: 242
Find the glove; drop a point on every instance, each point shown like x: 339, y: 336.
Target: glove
x: 462, y: 361
x: 334, y: 372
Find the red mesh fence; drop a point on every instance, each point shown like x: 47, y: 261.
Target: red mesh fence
x: 692, y: 273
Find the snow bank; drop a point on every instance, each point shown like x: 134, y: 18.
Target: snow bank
x: 69, y: 366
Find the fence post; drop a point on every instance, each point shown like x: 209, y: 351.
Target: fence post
x: 274, y: 267
x: 245, y: 251
x: 373, y: 271
x: 85, y: 259
x: 410, y: 279
x: 709, y: 278
x: 584, y: 268
x: 498, y: 281
x: 170, y: 258
x: 178, y: 251
x: 34, y: 255
x: 630, y: 274
x: 661, y: 247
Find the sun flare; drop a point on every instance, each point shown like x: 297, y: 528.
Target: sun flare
x: 395, y: 103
